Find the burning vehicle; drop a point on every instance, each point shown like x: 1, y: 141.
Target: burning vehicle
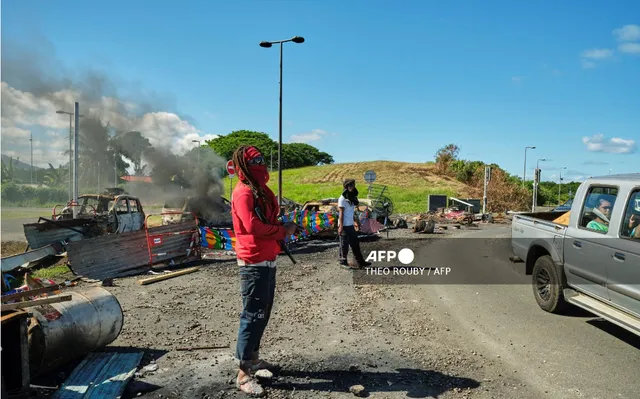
x: 209, y: 212
x: 111, y: 212
x: 118, y: 211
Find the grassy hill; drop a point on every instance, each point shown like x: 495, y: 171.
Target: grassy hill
x: 408, y: 184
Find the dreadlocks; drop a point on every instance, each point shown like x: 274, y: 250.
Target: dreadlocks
x: 240, y: 163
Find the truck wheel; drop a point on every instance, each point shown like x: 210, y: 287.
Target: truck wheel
x: 548, y: 284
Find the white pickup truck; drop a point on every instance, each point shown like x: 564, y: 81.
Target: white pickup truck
x: 591, y: 261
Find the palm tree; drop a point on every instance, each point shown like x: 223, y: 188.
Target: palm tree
x: 56, y: 177
x: 8, y: 172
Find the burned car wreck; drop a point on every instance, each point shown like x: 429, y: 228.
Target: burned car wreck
x: 112, y: 211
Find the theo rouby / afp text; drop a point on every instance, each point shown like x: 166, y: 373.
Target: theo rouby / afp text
x: 405, y: 256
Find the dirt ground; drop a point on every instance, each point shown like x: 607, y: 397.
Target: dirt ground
x: 326, y: 334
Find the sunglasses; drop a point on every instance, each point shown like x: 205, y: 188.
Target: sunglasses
x: 257, y: 161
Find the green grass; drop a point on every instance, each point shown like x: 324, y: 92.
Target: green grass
x: 408, y: 185
x: 12, y: 214
x: 52, y: 272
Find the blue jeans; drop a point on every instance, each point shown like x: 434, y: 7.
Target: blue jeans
x: 257, y: 286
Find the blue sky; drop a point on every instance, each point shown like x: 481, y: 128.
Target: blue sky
x: 374, y: 79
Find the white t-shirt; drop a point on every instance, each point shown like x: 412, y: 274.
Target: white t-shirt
x: 348, y: 211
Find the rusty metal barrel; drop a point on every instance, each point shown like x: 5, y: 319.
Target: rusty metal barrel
x: 62, y: 332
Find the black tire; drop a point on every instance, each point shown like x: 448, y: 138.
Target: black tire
x: 548, y: 283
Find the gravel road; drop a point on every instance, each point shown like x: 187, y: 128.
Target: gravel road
x: 398, y: 341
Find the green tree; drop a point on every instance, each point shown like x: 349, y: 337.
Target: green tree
x: 227, y: 144
x: 8, y: 171
x: 445, y: 156
x: 294, y: 155
x: 55, y: 177
x: 133, y: 146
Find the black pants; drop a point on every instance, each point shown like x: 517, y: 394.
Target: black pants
x: 349, y: 237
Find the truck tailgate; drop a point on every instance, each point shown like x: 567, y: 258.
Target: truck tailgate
x: 527, y: 231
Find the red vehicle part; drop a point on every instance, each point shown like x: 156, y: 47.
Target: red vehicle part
x: 155, y: 240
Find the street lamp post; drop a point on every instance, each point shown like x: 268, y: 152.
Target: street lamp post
x: 524, y: 173
x: 31, y: 142
x: 560, y: 184
x: 535, y: 186
x: 197, y: 141
x: 70, y: 150
x: 296, y: 39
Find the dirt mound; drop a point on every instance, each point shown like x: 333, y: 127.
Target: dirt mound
x: 387, y: 173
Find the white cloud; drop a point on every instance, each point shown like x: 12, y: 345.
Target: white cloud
x: 628, y: 33
x: 588, y: 64
x: 597, y: 53
x: 314, y: 135
x: 629, y: 48
x: 614, y: 145
x: 516, y: 79
x: 12, y: 132
x: 595, y: 163
x: 163, y: 129
x: 185, y: 143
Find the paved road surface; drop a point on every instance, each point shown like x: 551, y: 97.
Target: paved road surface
x: 561, y: 356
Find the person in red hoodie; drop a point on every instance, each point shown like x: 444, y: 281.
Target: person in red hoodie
x: 258, y: 232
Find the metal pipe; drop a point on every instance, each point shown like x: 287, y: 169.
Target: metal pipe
x: 31, y: 142
x: 75, y: 158
x: 70, y: 157
x: 280, y: 140
x: 62, y: 332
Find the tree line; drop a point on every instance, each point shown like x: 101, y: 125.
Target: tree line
x: 447, y: 162
x: 294, y: 155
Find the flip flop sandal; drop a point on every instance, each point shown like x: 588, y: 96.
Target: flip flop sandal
x: 250, y: 386
x: 263, y: 369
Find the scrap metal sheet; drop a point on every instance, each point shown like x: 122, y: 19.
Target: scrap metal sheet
x: 117, y: 255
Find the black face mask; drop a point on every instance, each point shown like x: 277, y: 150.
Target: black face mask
x: 351, y: 196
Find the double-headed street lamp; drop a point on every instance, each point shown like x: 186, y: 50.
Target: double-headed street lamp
x: 296, y: 39
x: 524, y: 173
x: 70, y: 150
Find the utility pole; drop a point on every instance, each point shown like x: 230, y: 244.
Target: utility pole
x: 560, y: 184
x: 115, y: 167
x: 487, y: 178
x: 70, y: 150
x: 536, y: 183
x: 524, y: 173
x: 31, y: 142
x: 75, y: 158
x: 98, y: 176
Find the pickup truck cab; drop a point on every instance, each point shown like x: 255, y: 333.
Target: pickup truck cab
x: 590, y: 259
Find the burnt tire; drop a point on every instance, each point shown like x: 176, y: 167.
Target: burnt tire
x: 548, y: 282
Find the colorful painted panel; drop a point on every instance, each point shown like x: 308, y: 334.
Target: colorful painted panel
x: 213, y: 238
x: 310, y: 222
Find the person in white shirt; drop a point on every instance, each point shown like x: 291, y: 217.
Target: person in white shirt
x: 347, y: 224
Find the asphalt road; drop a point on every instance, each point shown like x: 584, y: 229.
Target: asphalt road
x: 560, y: 356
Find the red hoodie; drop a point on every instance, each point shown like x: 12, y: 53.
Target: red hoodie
x: 255, y: 241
